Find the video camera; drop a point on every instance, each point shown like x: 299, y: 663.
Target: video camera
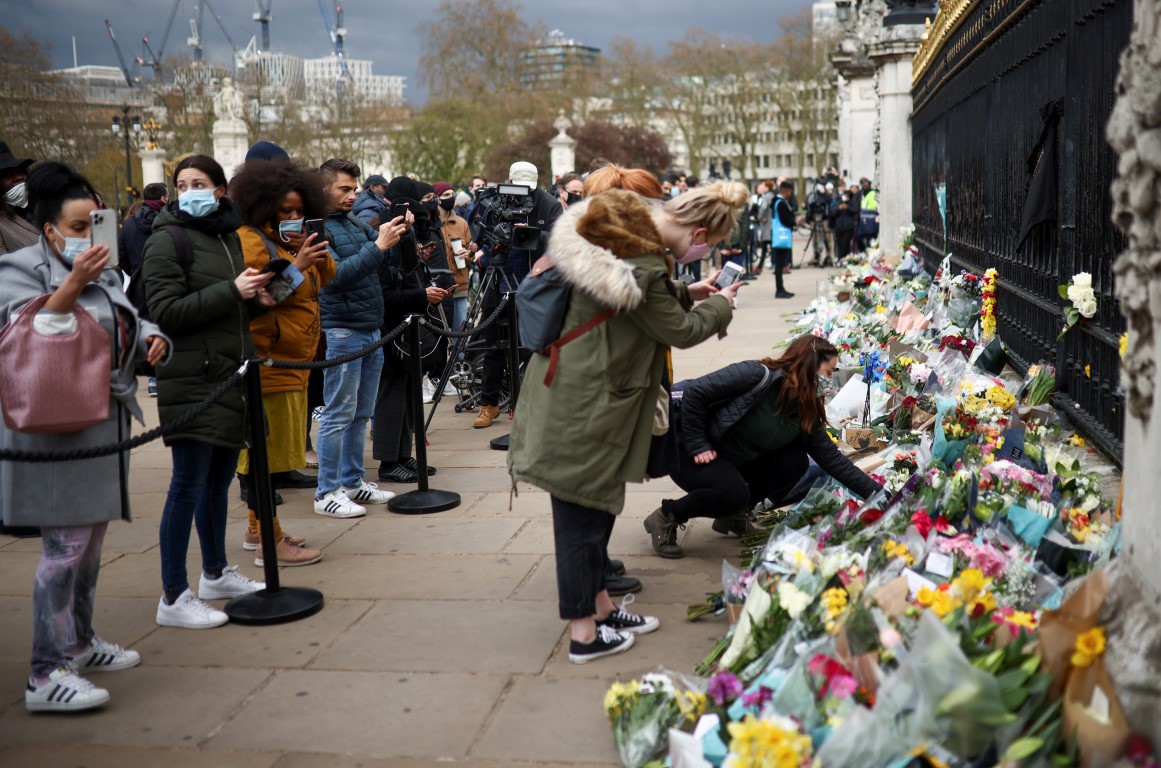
x: 502, y: 217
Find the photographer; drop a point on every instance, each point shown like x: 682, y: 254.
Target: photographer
x: 817, y: 210
x: 844, y: 219
x: 545, y: 210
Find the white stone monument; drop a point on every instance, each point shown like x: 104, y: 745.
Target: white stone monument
x: 562, y: 148
x: 858, y: 98
x: 153, y: 165
x: 230, y: 133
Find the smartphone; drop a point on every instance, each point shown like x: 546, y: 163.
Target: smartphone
x: 315, y: 227
x: 731, y: 273
x: 400, y: 209
x: 287, y: 279
x: 104, y: 233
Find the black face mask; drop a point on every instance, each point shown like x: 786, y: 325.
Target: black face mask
x: 447, y: 203
x: 575, y: 197
x: 432, y: 208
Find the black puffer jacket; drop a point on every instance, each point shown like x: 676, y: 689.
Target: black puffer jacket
x: 207, y: 319
x: 713, y: 403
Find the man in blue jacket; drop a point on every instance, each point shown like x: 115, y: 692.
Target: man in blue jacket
x: 372, y: 200
x: 352, y: 311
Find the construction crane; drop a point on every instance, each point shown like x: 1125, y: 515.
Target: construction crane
x: 154, y: 60
x: 129, y: 79
x: 337, y: 32
x: 263, y: 17
x: 195, y: 25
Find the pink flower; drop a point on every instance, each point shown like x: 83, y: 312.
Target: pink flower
x: 841, y: 686
x: 757, y: 698
x: 723, y: 687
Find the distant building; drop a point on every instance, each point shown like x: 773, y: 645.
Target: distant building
x: 322, y: 75
x: 545, y: 65
x: 277, y: 74
x: 99, y: 86
x: 823, y: 20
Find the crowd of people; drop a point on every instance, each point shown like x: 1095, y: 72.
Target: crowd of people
x: 302, y: 263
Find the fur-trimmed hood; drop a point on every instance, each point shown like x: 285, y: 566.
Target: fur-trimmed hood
x: 591, y: 239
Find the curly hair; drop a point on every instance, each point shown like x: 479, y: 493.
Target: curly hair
x: 258, y: 188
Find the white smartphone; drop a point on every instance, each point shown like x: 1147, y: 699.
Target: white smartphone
x: 731, y: 273
x: 105, y: 233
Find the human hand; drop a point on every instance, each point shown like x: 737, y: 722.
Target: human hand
x: 88, y: 264
x: 426, y: 250
x: 705, y: 457
x: 436, y: 295
x: 703, y: 289
x: 731, y: 291
x: 294, y: 241
x: 392, y: 231
x: 251, y: 281
x: 310, y: 253
x: 158, y: 347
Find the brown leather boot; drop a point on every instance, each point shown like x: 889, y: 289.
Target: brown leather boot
x: 486, y: 416
x: 662, y: 529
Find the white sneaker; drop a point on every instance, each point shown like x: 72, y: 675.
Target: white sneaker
x: 65, y: 691
x: 231, y: 584
x: 428, y: 390
x: 449, y: 389
x: 337, y: 504
x: 188, y: 612
x: 368, y: 493
x: 104, y: 656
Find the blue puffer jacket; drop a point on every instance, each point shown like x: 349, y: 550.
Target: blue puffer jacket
x: 353, y: 299
x: 368, y: 205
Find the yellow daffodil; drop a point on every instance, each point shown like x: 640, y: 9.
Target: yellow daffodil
x: 1089, y: 645
x: 1022, y: 619
x: 943, y: 604
x: 835, y: 600
x: 925, y: 597
x: 895, y: 549
x: 970, y: 583
x: 1124, y: 344
x: 767, y: 743
x: 1076, y: 440
x: 1088, y: 371
x: 982, y: 603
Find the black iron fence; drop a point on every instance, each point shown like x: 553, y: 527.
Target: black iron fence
x: 976, y: 119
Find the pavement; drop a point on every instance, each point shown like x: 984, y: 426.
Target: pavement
x: 439, y: 642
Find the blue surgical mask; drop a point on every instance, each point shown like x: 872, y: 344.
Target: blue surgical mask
x: 73, y: 246
x: 288, y: 226
x: 197, y: 202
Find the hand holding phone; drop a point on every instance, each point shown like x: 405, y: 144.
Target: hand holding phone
x: 730, y: 274
x: 104, y: 232
x: 315, y: 227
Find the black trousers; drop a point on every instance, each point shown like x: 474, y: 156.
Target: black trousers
x: 843, y: 241
x: 495, y: 357
x: 720, y: 489
x: 393, y: 428
x: 582, y: 556
x: 782, y: 258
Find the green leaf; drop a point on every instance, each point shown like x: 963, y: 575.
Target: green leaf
x: 1022, y: 748
x: 1063, y: 291
x: 1006, y: 718
x: 1014, y: 699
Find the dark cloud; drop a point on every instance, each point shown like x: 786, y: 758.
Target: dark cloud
x: 381, y: 31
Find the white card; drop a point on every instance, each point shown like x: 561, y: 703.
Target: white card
x: 915, y: 582
x: 940, y: 564
x: 1099, y: 707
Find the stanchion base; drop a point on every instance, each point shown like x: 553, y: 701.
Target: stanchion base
x: 423, y: 502
x: 749, y: 276
x: 264, y: 607
x: 500, y: 443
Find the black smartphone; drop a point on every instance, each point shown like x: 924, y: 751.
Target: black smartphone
x: 316, y: 227
x: 400, y: 209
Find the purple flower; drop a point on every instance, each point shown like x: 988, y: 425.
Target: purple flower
x: 723, y: 687
x: 755, y: 699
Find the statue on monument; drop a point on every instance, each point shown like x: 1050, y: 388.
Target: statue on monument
x: 228, y: 105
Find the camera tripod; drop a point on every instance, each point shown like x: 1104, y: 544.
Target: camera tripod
x: 817, y: 232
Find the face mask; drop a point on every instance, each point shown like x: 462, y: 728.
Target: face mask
x: 73, y: 246
x: 575, y: 197
x: 696, y: 252
x: 17, y: 196
x: 824, y: 387
x: 197, y: 202
x: 447, y: 203
x: 674, y: 192
x: 288, y: 226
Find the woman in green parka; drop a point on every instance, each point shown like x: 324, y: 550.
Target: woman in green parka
x: 588, y: 433
x: 198, y: 289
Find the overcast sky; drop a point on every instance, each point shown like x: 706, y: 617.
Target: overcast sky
x: 380, y: 30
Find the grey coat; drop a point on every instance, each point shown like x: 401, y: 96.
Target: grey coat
x: 73, y: 492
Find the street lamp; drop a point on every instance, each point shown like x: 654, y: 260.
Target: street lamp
x: 123, y: 125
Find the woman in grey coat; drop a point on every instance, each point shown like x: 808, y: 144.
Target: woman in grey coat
x: 65, y: 264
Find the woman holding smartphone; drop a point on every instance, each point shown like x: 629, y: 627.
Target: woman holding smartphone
x: 275, y: 199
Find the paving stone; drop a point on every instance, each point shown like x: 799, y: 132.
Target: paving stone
x: 128, y: 757
x: 117, y: 619
x: 139, y: 536
x: 681, y: 582
x: 550, y: 719
x: 149, y: 707
x: 448, y: 636
x: 140, y: 575
x: 434, y: 716
x: 13, y: 679
x: 417, y: 577
x: 423, y: 533
x: 312, y: 761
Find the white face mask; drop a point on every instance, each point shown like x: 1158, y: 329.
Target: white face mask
x: 17, y: 196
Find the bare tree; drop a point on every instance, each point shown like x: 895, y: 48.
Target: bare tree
x: 806, y: 100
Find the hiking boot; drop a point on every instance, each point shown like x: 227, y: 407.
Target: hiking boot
x: 738, y: 524
x: 662, y: 527
x: 616, y: 568
x: 290, y: 555
x: 629, y: 623
x: 486, y: 416
x: 617, y: 586
x: 607, y: 642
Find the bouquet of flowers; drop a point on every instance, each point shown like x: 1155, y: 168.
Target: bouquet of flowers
x: 642, y: 712
x: 1039, y: 384
x: 906, y: 236
x: 1082, y: 301
x: 988, y: 310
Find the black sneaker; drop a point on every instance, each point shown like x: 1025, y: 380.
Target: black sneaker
x: 616, y: 568
x: 293, y: 479
x: 621, y: 585
x: 607, y: 642
x: 413, y: 465
x: 784, y: 295
x: 397, y: 473
x: 629, y: 623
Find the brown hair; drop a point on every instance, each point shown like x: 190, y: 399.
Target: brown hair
x: 333, y: 167
x: 799, y: 365
x: 619, y: 177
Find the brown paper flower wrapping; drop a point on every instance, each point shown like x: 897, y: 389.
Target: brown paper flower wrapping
x: 1100, y: 743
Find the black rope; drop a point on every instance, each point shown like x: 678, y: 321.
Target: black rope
x: 442, y: 330
x: 347, y: 358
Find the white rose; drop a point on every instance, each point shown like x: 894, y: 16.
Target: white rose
x: 1082, y: 279
x: 1087, y: 308
x: 1075, y: 294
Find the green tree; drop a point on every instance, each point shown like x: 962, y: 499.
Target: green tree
x: 444, y: 141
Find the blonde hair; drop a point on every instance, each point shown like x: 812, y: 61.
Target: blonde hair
x: 619, y: 177
x: 714, y: 206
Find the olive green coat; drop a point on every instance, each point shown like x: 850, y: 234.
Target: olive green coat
x: 589, y: 433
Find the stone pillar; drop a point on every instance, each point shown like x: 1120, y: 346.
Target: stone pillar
x: 562, y: 148
x: 892, y: 57
x: 231, y: 142
x: 858, y: 108
x: 152, y: 166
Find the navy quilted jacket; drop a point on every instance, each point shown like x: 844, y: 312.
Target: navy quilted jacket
x: 353, y: 299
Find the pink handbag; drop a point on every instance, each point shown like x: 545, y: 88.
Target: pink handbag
x: 54, y: 383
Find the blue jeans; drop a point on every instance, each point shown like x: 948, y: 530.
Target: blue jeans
x: 350, y: 391
x: 198, y: 495
x: 461, y: 313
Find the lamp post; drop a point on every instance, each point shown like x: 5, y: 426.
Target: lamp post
x: 122, y: 126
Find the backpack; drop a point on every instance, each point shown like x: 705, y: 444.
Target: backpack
x: 183, y: 250
x: 542, y: 304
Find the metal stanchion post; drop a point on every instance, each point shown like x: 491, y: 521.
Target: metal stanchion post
x: 424, y: 500
x: 275, y: 604
x: 501, y: 443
